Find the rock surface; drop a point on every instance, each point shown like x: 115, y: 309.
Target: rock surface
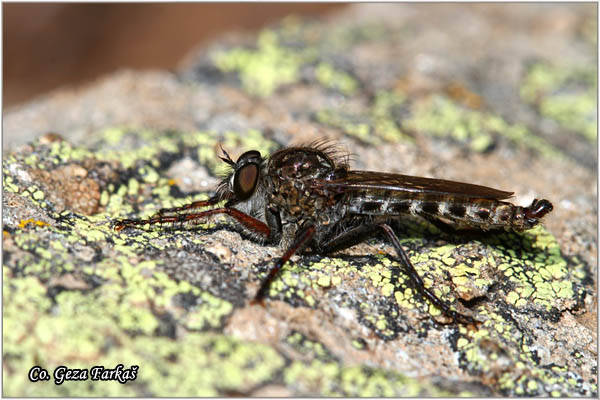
x: 495, y: 94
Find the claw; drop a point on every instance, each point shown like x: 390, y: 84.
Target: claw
x: 258, y: 301
x: 120, y: 225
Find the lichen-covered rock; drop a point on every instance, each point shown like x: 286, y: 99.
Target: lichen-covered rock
x: 493, y: 104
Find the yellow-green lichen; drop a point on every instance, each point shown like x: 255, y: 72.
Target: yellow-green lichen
x: 358, y: 344
x: 282, y: 56
x: 375, y: 126
x: 500, y: 350
x: 132, y: 298
x: 330, y: 379
x: 266, y: 68
x: 209, y: 313
x: 324, y: 281
x: 540, y: 278
x: 38, y: 195
x: 439, y: 116
x: 118, y: 306
x: 193, y: 365
x: 132, y: 301
x: 62, y: 152
x: 309, y: 348
x: 567, y: 95
x: 146, y: 145
x: 331, y: 78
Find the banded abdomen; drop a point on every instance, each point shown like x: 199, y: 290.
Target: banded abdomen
x: 462, y: 212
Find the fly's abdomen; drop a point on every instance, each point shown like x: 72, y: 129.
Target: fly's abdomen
x: 486, y: 213
x: 380, y: 205
x: 460, y: 211
x: 480, y: 213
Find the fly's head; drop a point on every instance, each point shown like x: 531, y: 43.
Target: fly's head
x: 243, y: 186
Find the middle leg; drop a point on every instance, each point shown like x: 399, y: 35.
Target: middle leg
x: 301, y: 240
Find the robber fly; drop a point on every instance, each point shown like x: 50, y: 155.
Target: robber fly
x: 307, y: 196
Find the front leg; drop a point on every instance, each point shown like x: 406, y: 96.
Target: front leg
x: 274, y: 222
x: 251, y: 223
x: 301, y: 240
x: 163, y: 212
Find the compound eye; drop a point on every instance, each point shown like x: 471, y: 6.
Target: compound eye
x: 245, y: 181
x: 249, y: 156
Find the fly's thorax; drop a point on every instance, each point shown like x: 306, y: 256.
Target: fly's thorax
x: 301, y: 164
x: 293, y: 199
x: 290, y: 175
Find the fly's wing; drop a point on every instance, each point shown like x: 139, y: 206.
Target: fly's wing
x: 365, y: 180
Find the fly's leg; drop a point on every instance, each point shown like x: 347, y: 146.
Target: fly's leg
x: 463, y: 231
x: 300, y: 241
x: 196, y: 204
x: 158, y: 217
x: 246, y: 220
x: 349, y: 237
x: 441, y: 225
x: 419, y: 284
